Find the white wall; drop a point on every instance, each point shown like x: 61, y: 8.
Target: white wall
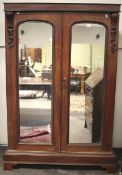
x: 3, y: 118
x: 80, y: 31
x: 79, y: 51
x: 117, y: 139
x: 34, y: 36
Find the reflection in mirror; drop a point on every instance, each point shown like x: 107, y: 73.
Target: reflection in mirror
x: 35, y: 81
x: 86, y: 83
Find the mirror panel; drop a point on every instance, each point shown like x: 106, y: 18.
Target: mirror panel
x: 86, y: 82
x: 35, y: 62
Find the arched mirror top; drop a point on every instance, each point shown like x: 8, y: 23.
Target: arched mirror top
x: 32, y: 21
x: 35, y: 33
x: 97, y: 31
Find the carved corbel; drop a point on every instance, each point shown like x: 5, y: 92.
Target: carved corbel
x: 113, y: 31
x: 9, y: 16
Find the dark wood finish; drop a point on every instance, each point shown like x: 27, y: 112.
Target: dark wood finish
x: 9, y: 166
x: 36, y: 84
x: 106, y: 160
x: 38, y: 55
x: 110, y: 168
x: 61, y: 7
x: 35, y: 53
x: 94, y: 110
x: 60, y: 151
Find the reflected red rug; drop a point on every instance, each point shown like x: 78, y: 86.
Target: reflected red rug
x: 38, y: 134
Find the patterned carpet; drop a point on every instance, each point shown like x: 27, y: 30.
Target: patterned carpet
x: 77, y: 103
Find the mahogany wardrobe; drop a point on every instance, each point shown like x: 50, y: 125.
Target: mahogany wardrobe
x: 61, y: 62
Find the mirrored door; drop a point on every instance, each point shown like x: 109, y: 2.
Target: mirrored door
x: 38, y: 62
x: 36, y: 55
x: 83, y: 81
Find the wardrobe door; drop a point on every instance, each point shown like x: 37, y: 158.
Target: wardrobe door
x: 86, y: 64
x: 33, y: 96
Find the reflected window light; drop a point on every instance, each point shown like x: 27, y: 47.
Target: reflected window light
x: 88, y: 25
x: 50, y: 40
x: 18, y: 13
